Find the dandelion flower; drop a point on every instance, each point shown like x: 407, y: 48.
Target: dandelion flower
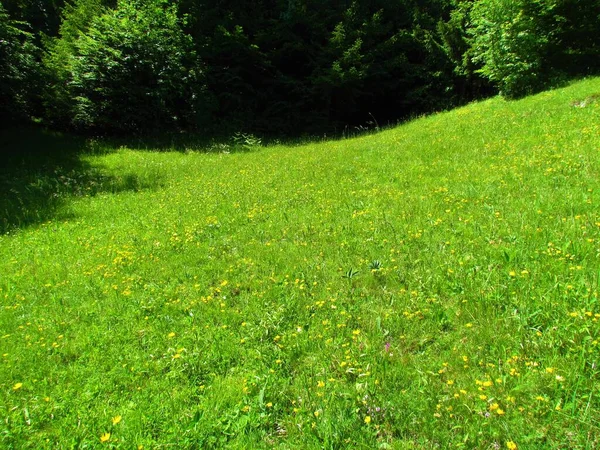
x: 17, y: 386
x: 511, y: 445
x: 171, y: 334
x: 367, y: 420
x: 558, y: 406
x: 105, y: 437
x: 116, y: 420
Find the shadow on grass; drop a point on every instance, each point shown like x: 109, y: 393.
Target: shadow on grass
x: 41, y: 171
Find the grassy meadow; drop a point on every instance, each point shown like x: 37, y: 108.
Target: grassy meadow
x: 434, y: 285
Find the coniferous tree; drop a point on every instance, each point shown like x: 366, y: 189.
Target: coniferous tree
x: 19, y: 73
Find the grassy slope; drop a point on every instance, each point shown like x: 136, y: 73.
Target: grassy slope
x: 211, y: 299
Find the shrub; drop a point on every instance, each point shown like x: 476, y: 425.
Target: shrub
x: 59, y: 57
x: 135, y: 70
x: 511, y: 40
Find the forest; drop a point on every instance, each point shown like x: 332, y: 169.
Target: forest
x: 279, y: 67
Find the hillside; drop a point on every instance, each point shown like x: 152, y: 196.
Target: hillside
x: 430, y: 285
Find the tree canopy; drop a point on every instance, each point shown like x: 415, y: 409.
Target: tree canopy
x: 279, y: 66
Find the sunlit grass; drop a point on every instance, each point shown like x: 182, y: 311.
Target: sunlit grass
x: 432, y: 285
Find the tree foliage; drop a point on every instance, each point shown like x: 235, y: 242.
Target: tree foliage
x: 281, y: 66
x: 134, y: 69
x: 18, y: 70
x: 525, y: 45
x: 60, y: 55
x: 511, y: 41
x: 43, y: 16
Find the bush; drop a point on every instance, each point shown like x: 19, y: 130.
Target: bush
x: 511, y: 40
x: 135, y: 70
x: 59, y: 57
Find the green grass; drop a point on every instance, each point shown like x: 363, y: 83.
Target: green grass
x: 432, y: 285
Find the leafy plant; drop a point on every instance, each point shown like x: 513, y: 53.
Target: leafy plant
x: 375, y: 265
x: 351, y: 273
x: 135, y: 70
x: 245, y: 141
x: 511, y: 40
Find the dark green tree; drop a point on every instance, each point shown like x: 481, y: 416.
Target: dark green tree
x: 308, y: 65
x: 43, y: 16
x: 19, y: 73
x: 457, y: 45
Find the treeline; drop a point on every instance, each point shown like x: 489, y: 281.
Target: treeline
x: 279, y: 66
